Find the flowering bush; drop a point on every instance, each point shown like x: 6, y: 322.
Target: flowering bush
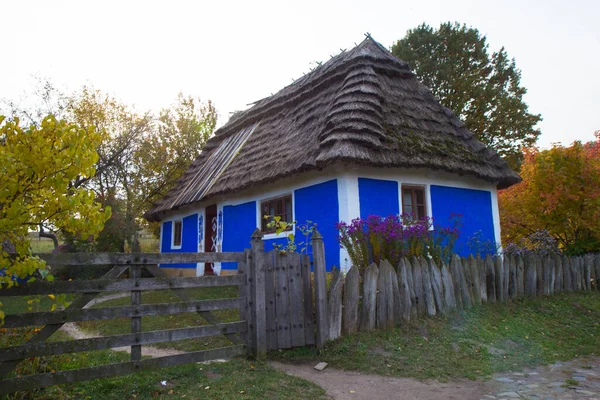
x: 376, y: 238
x: 539, y: 243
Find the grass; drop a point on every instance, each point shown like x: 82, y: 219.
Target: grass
x: 473, y: 343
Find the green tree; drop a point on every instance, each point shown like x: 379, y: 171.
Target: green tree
x: 483, y: 90
x: 39, y: 167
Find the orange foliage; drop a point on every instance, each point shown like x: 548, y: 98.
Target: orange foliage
x: 560, y: 193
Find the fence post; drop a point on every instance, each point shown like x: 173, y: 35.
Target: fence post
x: 320, y: 288
x: 136, y: 322
x: 257, y: 297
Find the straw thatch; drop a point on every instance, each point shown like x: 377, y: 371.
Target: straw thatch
x: 363, y: 106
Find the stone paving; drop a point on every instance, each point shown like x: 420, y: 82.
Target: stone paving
x: 577, y: 379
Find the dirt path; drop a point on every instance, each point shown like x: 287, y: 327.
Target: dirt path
x: 577, y: 379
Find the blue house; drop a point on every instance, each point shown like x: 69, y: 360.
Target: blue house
x: 359, y: 135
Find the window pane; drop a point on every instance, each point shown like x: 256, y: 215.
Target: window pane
x: 177, y: 233
x: 420, y: 196
x: 407, y: 197
x: 407, y: 210
x: 288, y: 210
x: 420, y: 212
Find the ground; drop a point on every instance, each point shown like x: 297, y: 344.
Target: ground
x: 576, y: 379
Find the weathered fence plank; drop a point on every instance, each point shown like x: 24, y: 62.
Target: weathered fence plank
x: 587, y: 272
x: 471, y: 264
x: 296, y: 299
x: 437, y: 286
x: 520, y: 277
x: 449, y: 295
x: 270, y: 310
x: 243, y: 290
x: 138, y: 258
x: 530, y: 276
x: 411, y: 286
x: 405, y: 289
x: 506, y: 277
x: 568, y: 282
x: 482, y: 279
x: 121, y: 285
x: 26, y: 383
x: 369, y: 306
x: 597, y: 268
x: 351, y: 297
x: 499, y: 269
x: 320, y: 288
x: 418, y: 285
x: 282, y: 307
x: 558, y: 281
x: 427, y: 289
x: 385, y: 297
x: 95, y: 314
x: 512, y: 277
x: 397, y: 297
x: 539, y: 277
x: 309, y: 330
x: 107, y: 342
x: 257, y: 279
x: 466, y: 300
x: 136, y: 321
x: 334, y: 310
x: 490, y: 278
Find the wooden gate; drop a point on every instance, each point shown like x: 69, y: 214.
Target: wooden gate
x: 288, y: 300
x: 86, y: 290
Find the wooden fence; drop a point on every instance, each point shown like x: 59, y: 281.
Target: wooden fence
x: 419, y: 287
x: 274, y: 301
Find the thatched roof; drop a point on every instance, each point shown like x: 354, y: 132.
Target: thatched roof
x: 363, y: 106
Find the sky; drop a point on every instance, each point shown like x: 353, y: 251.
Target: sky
x: 237, y: 52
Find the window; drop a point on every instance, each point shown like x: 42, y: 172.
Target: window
x: 279, y: 206
x: 413, y: 201
x: 177, y: 233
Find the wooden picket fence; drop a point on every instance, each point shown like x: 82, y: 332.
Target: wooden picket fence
x: 419, y: 286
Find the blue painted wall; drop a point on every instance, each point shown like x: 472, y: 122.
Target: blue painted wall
x: 378, y: 197
x: 238, y: 224
x: 189, y: 239
x: 319, y: 203
x: 475, y: 207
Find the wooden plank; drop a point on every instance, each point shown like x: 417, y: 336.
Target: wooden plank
x: 107, y: 342
x: 471, y: 265
x: 320, y: 288
x: 27, y: 383
x: 466, y: 300
x: 351, y: 297
x: 309, y: 318
x: 385, y: 297
x: 499, y: 269
x: 258, y: 296
x: 512, y: 277
x: 530, y: 276
x: 49, y: 329
x: 418, y: 285
x: 449, y: 296
x: 597, y: 269
x: 587, y: 272
x: 282, y: 302
x: 593, y: 280
x: 482, y: 279
x: 104, y: 313
x: 136, y: 321
x: 539, y: 277
x: 427, y: 289
x: 549, y: 260
x: 403, y: 284
x: 558, y: 274
x: 490, y: 279
x: 243, y: 290
x: 139, y: 258
x: 296, y: 299
x: 270, y: 301
x: 393, y: 276
x: 369, y: 307
x: 437, y: 286
x: 334, y: 306
x: 568, y: 284
x: 520, y: 276
x: 121, y: 285
x: 411, y: 286
x: 206, y: 314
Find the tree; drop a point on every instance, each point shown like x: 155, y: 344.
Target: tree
x: 483, y: 90
x: 39, y: 166
x: 560, y: 194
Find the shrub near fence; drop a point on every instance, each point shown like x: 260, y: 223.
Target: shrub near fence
x: 418, y: 287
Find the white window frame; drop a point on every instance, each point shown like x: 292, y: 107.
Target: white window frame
x: 174, y: 222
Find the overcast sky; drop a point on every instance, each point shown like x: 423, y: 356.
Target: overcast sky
x: 234, y: 53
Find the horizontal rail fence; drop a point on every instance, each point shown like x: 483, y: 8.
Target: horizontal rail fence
x: 10, y: 357
x: 419, y: 286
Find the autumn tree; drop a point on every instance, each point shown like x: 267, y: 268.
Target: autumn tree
x: 39, y: 167
x: 483, y: 89
x: 560, y: 194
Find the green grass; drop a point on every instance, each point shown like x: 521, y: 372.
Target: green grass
x: 160, y: 322
x: 478, y: 342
